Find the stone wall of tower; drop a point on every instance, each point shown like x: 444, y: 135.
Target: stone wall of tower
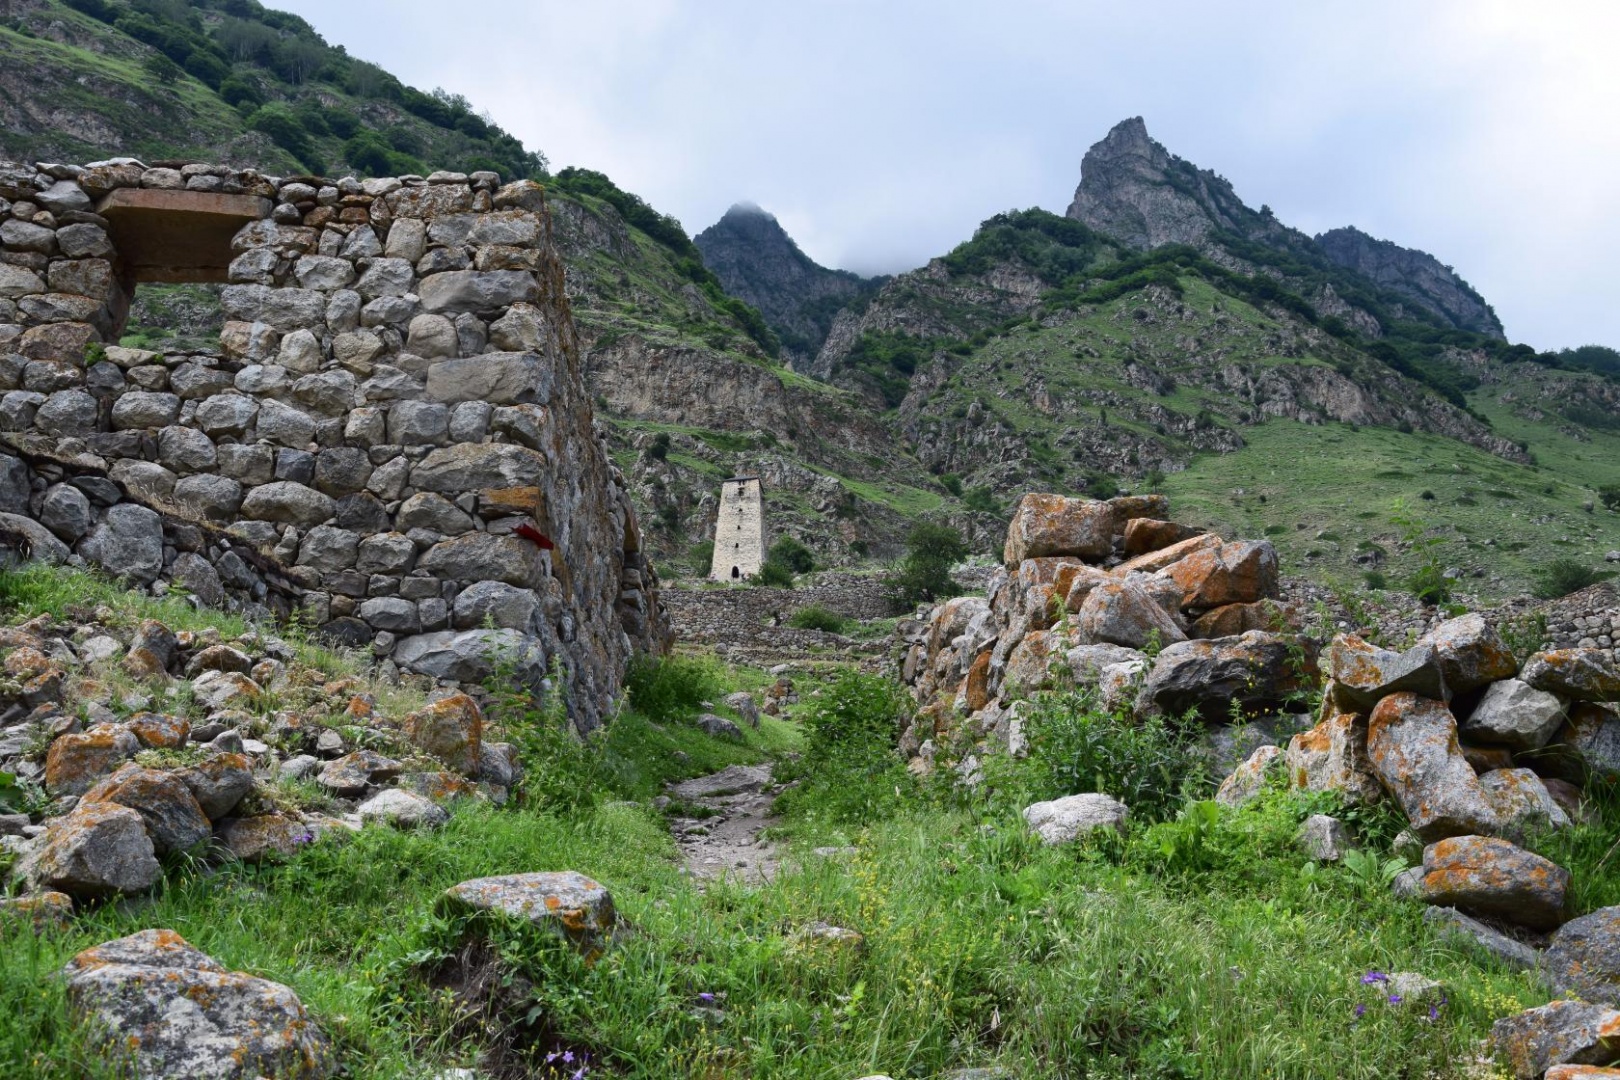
x: 739, y: 531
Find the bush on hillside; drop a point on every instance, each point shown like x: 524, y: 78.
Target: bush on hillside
x: 775, y: 574
x: 1564, y: 576
x: 671, y: 687
x: 816, y: 617
x: 924, y: 573
x: 794, y: 555
x: 851, y: 772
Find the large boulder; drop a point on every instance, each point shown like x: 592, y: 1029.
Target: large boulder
x: 1471, y: 654
x: 1332, y: 756
x: 1581, y: 674
x: 1062, y: 821
x: 449, y: 729
x: 1363, y: 674
x: 1260, y: 671
x: 1490, y: 877
x: 219, y: 783
x: 77, y: 760
x: 1123, y: 613
x: 1559, y: 1033
x: 127, y: 544
x: 473, y: 656
x: 180, y: 1015
x: 481, y: 556
x: 1153, y: 561
x: 1237, y: 573
x: 1515, y: 715
x: 1057, y: 525
x: 1412, y: 743
x: 569, y: 902
x: 1592, y: 737
x: 1584, y: 958
x: 1522, y: 803
x: 403, y: 810
x: 97, y: 851
x: 173, y: 819
x: 1249, y: 779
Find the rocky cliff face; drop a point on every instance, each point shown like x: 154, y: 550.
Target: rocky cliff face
x: 757, y: 261
x: 1416, y: 274
x: 1136, y: 191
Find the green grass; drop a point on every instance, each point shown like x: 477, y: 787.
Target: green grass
x: 1343, y: 480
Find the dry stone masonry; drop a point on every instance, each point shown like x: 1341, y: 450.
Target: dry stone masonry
x: 393, y: 437
x: 739, y: 530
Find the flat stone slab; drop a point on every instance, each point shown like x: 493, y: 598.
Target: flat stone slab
x: 567, y: 900
x: 732, y: 780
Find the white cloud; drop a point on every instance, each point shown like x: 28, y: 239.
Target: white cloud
x: 881, y: 132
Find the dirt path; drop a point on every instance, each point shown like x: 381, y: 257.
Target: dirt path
x: 723, y: 839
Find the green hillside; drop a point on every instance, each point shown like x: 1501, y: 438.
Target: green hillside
x: 229, y: 81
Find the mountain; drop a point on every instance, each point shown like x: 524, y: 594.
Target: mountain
x: 1136, y: 191
x: 224, y: 81
x: 757, y: 261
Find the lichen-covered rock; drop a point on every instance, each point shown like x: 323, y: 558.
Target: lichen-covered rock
x: 1086, y: 662
x: 1522, y: 803
x: 352, y: 774
x: 569, y: 902
x: 450, y: 729
x: 45, y: 910
x: 1559, y: 1033
x: 98, y: 850
x: 1452, y: 923
x: 1412, y: 744
x: 1583, y: 959
x: 1249, y: 778
x: 1057, y: 525
x: 1230, y: 620
x: 1363, y: 674
x: 181, y: 1016
x: 1471, y: 654
x: 1154, y: 561
x: 1323, y: 838
x: 1332, y: 756
x: 1029, y: 666
x: 1143, y: 535
x: 159, y: 731
x: 1515, y: 715
x: 1592, y: 735
x: 471, y: 657
x: 1580, y: 1072
x: 264, y: 837
x: 1062, y: 821
x: 173, y: 819
x: 216, y: 690
x: 1258, y: 670
x: 1581, y: 674
x: 1236, y: 573
x: 1123, y: 613
x: 219, y: 783
x: 402, y: 809
x: 1487, y: 876
x: 76, y: 761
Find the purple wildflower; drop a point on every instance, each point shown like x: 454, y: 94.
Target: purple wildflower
x: 1374, y: 977
x: 580, y: 1074
x: 1361, y: 1010
x: 1434, y: 1012
x: 553, y: 1056
x: 1394, y: 999
x: 706, y: 998
x: 568, y: 1057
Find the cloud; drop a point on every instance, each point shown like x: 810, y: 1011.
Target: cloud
x: 880, y: 132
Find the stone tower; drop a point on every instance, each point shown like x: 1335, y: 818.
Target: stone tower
x: 739, y: 530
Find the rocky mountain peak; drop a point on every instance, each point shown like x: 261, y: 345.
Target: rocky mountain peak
x: 1416, y: 274
x: 1135, y: 190
x: 758, y: 262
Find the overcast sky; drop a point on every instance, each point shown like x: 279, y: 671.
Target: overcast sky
x: 880, y: 132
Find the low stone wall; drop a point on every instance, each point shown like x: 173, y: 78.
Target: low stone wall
x: 733, y: 614
x: 396, y: 416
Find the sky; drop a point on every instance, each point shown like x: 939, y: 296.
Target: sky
x: 881, y: 132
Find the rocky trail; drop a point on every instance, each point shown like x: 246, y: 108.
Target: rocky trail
x: 720, y: 834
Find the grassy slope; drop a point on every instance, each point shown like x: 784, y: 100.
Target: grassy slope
x: 982, y: 947
x: 1323, y: 493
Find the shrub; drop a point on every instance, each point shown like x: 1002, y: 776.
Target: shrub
x: 700, y: 557
x: 925, y: 571
x: 1375, y: 579
x: 671, y: 687
x: 793, y: 555
x: 1564, y: 576
x: 161, y: 70
x: 850, y: 771
x: 816, y: 617
x: 775, y: 574
x: 1610, y: 494
x: 952, y: 483
x: 1150, y: 765
x: 981, y: 500
x: 659, y: 448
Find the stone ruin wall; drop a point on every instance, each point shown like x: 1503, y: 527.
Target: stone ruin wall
x: 739, y: 531
x: 396, y: 399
